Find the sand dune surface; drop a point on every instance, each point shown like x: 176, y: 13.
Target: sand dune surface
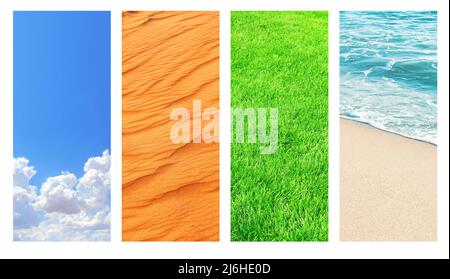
x: 170, y: 191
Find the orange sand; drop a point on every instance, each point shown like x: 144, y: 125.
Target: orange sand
x: 170, y: 192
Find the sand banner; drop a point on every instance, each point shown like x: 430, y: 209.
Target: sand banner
x: 170, y: 93
x: 388, y: 130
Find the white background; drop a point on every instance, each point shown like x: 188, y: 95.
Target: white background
x: 224, y: 248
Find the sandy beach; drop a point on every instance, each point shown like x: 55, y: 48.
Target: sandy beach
x: 170, y: 191
x: 387, y: 186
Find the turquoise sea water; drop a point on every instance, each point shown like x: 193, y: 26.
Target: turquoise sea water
x: 389, y: 71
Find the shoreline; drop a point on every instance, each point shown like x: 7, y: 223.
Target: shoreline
x: 387, y: 131
x: 388, y: 185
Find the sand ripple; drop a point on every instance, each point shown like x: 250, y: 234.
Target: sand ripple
x: 170, y: 192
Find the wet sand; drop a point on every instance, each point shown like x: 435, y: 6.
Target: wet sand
x: 388, y: 186
x: 170, y: 192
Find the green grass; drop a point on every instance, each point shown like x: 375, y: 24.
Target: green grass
x: 280, y: 59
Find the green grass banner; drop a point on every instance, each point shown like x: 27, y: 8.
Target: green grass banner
x: 279, y: 78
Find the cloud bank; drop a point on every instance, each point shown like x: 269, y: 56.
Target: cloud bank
x: 64, y: 208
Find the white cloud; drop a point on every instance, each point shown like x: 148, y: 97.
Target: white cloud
x: 25, y: 214
x: 101, y: 164
x: 66, y: 208
x: 51, y: 230
x: 58, y: 195
x: 94, y: 186
x: 22, y: 172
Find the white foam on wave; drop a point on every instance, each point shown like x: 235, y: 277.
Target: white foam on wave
x: 425, y: 138
x: 390, y: 107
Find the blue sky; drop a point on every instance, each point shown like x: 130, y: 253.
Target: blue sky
x: 61, y: 89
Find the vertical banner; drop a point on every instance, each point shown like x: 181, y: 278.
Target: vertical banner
x: 62, y: 182
x: 279, y: 99
x: 170, y: 126
x: 388, y: 106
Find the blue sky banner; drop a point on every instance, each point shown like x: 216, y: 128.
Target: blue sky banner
x: 62, y: 126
